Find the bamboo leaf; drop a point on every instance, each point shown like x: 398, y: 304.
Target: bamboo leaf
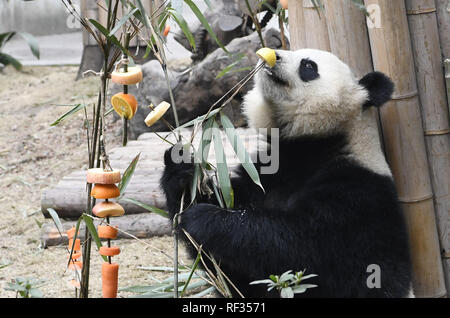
x: 184, y: 27
x: 77, y: 228
x: 198, y: 119
x: 56, y: 219
x: 126, y: 177
x: 74, y: 110
x: 239, y: 149
x: 5, y: 37
x: 91, y: 227
x: 32, y: 43
x: 7, y: 59
x: 205, y: 23
x: 194, y: 267
x: 222, y: 168
x: 111, y: 38
x: 122, y: 21
x: 147, y: 207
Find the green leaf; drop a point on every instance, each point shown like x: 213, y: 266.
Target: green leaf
x: 32, y: 43
x: 122, y: 21
x: 184, y: 27
x: 126, y: 177
x: 239, y: 149
x: 111, y: 38
x: 7, y: 59
x: 197, y: 174
x: 5, y: 37
x: 194, y: 267
x: 205, y: 23
x: 222, y: 168
x: 77, y: 228
x: 198, y: 119
x: 56, y: 219
x: 147, y: 207
x: 74, y: 110
x: 91, y: 227
x: 35, y: 293
x: 145, y: 19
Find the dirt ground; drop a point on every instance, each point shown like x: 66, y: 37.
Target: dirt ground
x: 33, y: 157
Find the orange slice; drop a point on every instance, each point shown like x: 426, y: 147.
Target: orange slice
x: 124, y: 104
x: 157, y: 113
x: 107, y: 231
x: 166, y: 30
x: 131, y: 77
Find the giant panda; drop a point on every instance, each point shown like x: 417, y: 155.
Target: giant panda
x: 331, y: 208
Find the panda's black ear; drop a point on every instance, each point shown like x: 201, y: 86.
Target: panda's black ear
x: 380, y: 88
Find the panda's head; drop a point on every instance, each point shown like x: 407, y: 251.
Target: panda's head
x: 311, y: 92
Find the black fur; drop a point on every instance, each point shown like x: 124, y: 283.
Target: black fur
x: 308, y: 70
x: 321, y: 212
x: 380, y: 88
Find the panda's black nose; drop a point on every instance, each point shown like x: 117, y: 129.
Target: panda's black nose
x: 278, y: 56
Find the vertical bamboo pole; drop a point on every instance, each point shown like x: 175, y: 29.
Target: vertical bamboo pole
x: 405, y: 144
x: 304, y: 13
x: 443, y: 16
x: 435, y: 116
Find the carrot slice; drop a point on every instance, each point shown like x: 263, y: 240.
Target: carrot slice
x: 104, y: 209
x: 105, y: 191
x: 74, y: 283
x: 71, y: 233
x: 98, y: 175
x: 75, y: 256
x: 107, y: 232
x: 109, y: 251
x: 77, y: 246
x: 76, y: 265
x: 110, y: 279
x: 166, y: 30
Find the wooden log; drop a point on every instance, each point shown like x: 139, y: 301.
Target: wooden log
x: 142, y: 226
x: 405, y: 144
x: 443, y: 16
x: 430, y: 79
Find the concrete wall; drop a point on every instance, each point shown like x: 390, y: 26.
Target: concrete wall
x: 38, y: 17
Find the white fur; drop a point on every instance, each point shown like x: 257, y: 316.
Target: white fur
x: 330, y: 103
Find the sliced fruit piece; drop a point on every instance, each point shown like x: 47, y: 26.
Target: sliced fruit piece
x: 75, y: 256
x: 125, y: 105
x: 109, y: 251
x: 104, y: 209
x: 71, y: 232
x: 166, y: 30
x: 77, y: 246
x: 131, y: 77
x: 107, y: 231
x: 76, y: 265
x: 157, y: 113
x: 284, y: 4
x: 110, y: 279
x: 267, y: 55
x: 98, y: 175
x: 105, y: 191
x: 74, y: 283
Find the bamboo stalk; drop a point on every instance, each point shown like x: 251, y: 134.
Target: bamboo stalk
x: 443, y: 17
x: 435, y: 116
x: 405, y: 145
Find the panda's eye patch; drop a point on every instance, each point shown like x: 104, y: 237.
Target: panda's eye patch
x: 308, y: 70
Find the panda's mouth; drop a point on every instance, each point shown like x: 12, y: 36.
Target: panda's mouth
x: 272, y: 74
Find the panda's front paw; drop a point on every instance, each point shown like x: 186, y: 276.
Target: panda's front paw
x: 177, y: 176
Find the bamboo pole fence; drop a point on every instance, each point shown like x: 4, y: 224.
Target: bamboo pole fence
x: 435, y: 116
x: 391, y: 53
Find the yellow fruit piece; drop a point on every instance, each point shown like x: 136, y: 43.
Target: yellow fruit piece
x: 267, y: 55
x: 124, y: 104
x: 157, y: 113
x: 131, y: 77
